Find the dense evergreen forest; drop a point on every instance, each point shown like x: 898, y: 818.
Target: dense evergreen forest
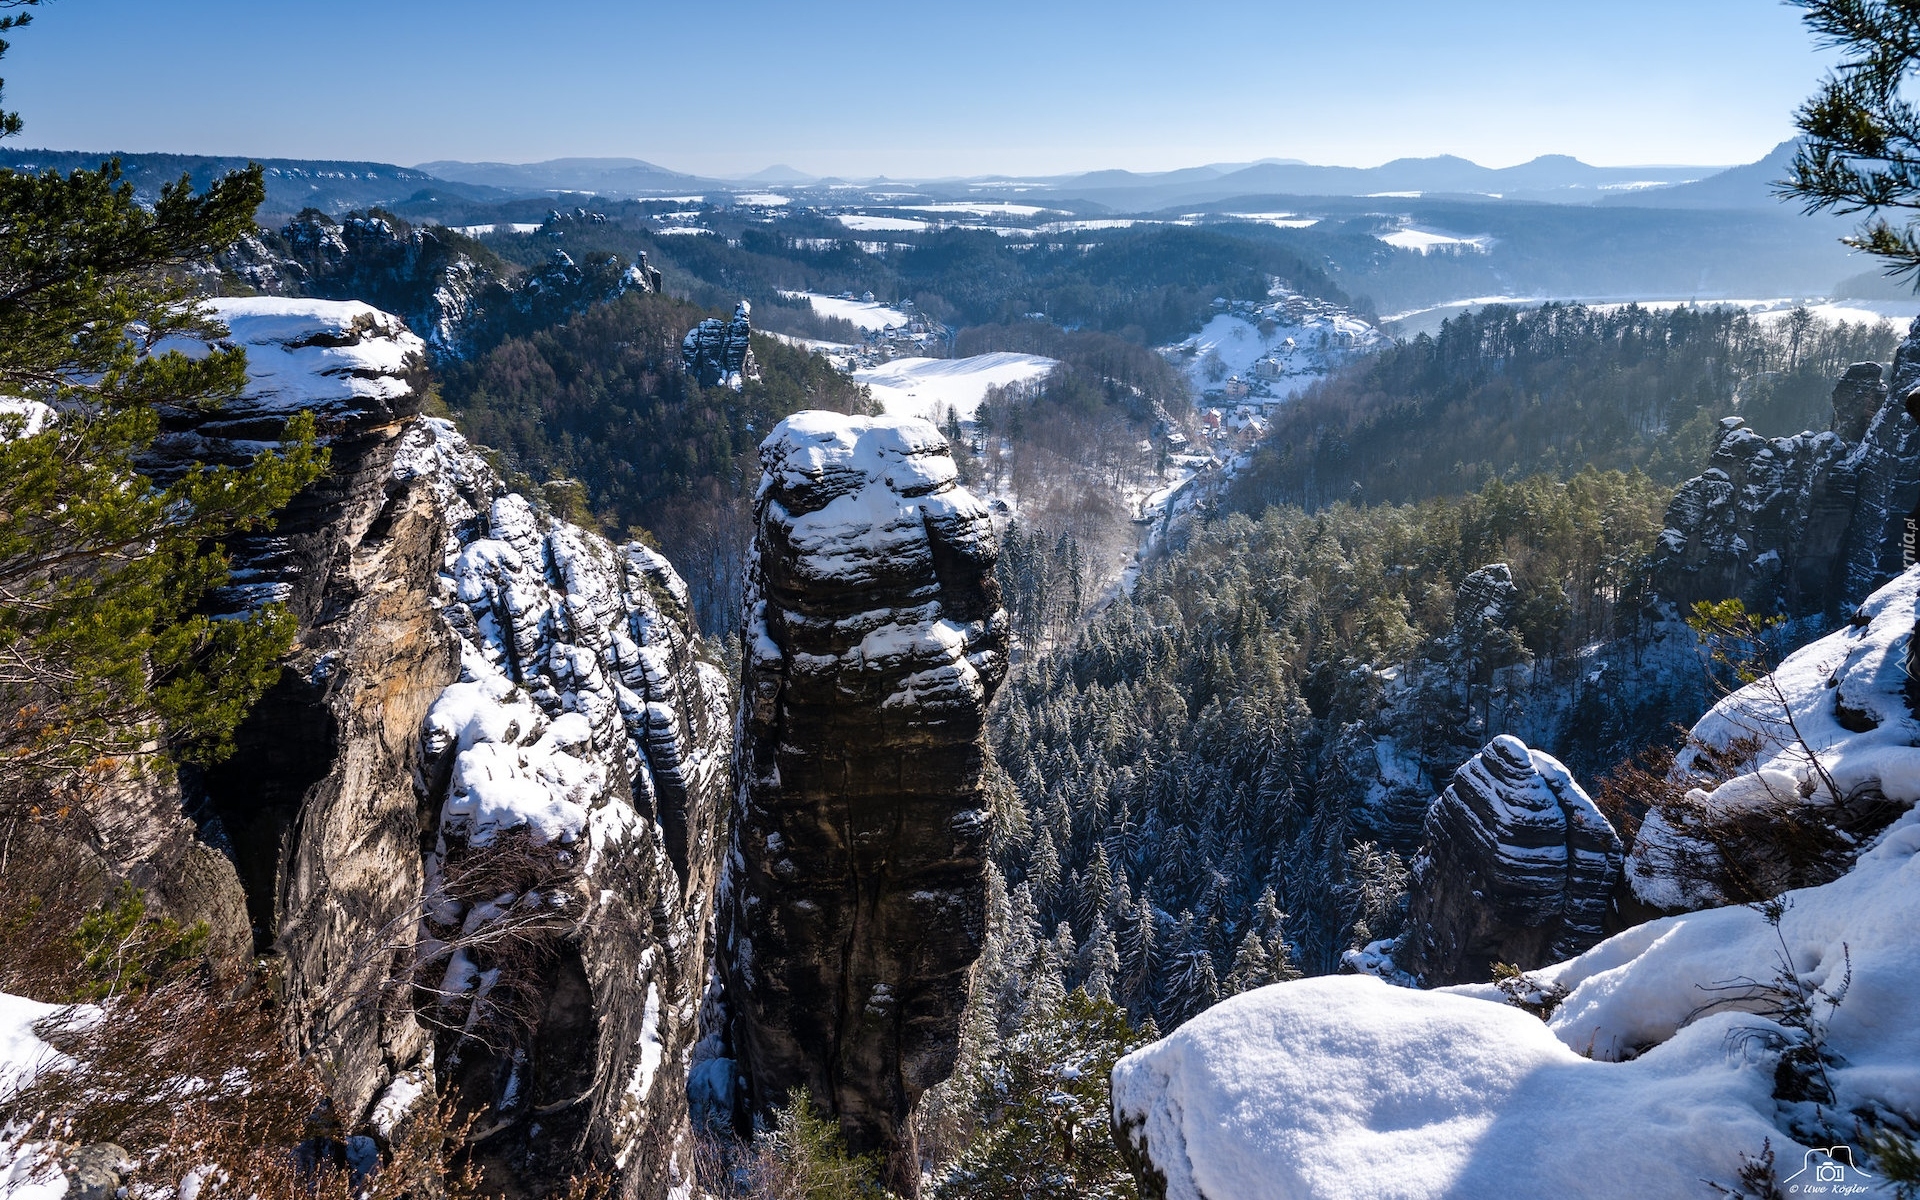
x: 601, y: 401
x: 1503, y: 391
x: 1189, y: 750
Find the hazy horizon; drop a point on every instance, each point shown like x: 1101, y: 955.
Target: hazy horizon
x: 872, y: 90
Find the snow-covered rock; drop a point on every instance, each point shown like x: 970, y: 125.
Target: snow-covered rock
x: 1658, y: 1066
x: 460, y: 304
x: 1655, y: 1073
x: 306, y: 848
x: 523, y: 701
x: 580, y: 767
x: 1518, y: 867
x: 719, y: 352
x: 1835, y: 717
x: 1804, y: 524
x: 1766, y: 522
x: 855, y: 901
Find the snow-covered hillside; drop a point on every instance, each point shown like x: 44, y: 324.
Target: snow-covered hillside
x: 1671, y: 1058
x: 864, y: 314
x: 928, y: 387
x: 1252, y: 353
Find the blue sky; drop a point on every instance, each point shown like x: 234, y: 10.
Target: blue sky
x: 917, y: 89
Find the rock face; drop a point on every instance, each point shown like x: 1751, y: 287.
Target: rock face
x: 1807, y: 524
x: 719, y: 353
x: 1885, y: 465
x: 1861, y: 392
x: 1518, y: 868
x: 855, y: 898
x: 316, y: 808
x: 430, y: 277
x: 578, y: 771
x: 1766, y: 522
x: 477, y: 821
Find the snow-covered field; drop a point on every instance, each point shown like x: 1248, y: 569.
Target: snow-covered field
x: 979, y: 208
x: 1281, y: 220
x: 865, y: 314
x: 682, y: 229
x: 866, y: 224
x: 927, y: 387
x: 1096, y: 223
x: 762, y: 199
x: 820, y: 344
x: 483, y: 230
x: 1428, y: 240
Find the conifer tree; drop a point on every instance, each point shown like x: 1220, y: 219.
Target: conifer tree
x: 1046, y: 1128
x: 1860, y: 149
x: 103, y: 654
x: 1099, y: 962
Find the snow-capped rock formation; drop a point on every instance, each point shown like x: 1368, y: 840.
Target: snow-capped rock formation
x: 431, y: 278
x: 855, y: 900
x: 1766, y: 522
x: 1806, y: 524
x: 719, y: 352
x: 1665, y: 1059
x: 315, y: 810
x: 579, y: 767
x: 1517, y: 868
x: 1826, y: 741
x: 511, y: 695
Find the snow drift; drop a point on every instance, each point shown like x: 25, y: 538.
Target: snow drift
x: 1656, y: 1070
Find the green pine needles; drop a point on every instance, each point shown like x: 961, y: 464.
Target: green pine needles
x: 104, y: 658
x: 1861, y: 147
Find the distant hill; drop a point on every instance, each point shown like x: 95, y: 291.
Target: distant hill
x: 292, y: 184
x: 615, y: 178
x: 1749, y: 186
x: 782, y: 173
x: 1553, y: 177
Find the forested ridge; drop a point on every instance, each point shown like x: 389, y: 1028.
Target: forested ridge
x: 1147, y: 285
x: 1501, y: 391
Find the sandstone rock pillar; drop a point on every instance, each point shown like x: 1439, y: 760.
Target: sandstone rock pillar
x: 855, y: 900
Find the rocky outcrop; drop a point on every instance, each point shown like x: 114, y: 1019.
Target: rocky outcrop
x: 316, y: 807
x: 578, y: 776
x: 1770, y: 803
x: 476, y: 824
x: 1806, y: 524
x: 1861, y: 392
x: 719, y: 352
x: 464, y: 300
x: 1765, y: 522
x: 1518, y: 868
x: 1615, y: 1064
x: 1885, y: 465
x: 855, y: 897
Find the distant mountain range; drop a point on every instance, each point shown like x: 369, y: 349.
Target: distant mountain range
x: 1553, y: 177
x: 292, y: 184
x: 1749, y: 186
x: 450, y: 185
